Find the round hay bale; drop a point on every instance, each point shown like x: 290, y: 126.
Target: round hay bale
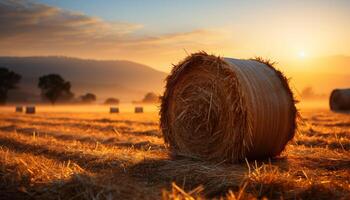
x: 113, y: 110
x: 30, y: 110
x: 19, y: 109
x: 227, y: 109
x: 139, y: 109
x: 340, y: 100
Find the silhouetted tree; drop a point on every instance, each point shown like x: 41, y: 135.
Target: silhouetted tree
x: 88, y: 98
x: 54, y: 87
x: 8, y: 80
x: 151, y: 98
x: 111, y: 101
x: 309, y: 93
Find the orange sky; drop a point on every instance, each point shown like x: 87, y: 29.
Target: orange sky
x: 161, y: 33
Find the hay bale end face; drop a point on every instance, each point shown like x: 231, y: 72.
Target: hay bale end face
x: 113, y: 110
x: 30, y: 110
x: 340, y: 100
x: 19, y: 109
x: 138, y: 109
x: 226, y: 109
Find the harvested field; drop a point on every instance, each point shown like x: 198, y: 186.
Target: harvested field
x: 122, y: 156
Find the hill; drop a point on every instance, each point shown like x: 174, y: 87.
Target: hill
x: 122, y: 79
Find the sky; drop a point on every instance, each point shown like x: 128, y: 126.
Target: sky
x: 159, y: 33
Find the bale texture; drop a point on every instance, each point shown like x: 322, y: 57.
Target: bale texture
x: 340, y: 100
x: 226, y: 109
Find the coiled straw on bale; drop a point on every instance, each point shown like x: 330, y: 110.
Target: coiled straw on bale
x: 340, y: 100
x: 227, y: 109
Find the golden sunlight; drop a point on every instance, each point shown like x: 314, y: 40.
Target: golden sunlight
x: 168, y: 100
x: 301, y: 54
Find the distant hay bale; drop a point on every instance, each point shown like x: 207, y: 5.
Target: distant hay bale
x: 340, y: 100
x: 30, y: 110
x: 227, y: 109
x: 19, y: 109
x: 138, y: 109
x: 114, y: 110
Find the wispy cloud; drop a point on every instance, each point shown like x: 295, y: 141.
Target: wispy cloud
x: 29, y: 28
x: 28, y: 21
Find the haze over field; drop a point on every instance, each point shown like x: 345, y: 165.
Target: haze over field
x: 323, y: 74
x: 125, y: 80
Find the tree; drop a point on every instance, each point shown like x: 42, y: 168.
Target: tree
x: 111, y: 101
x: 309, y: 93
x: 88, y: 98
x: 151, y: 98
x: 54, y: 87
x: 8, y: 81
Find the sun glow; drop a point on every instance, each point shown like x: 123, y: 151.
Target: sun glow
x: 301, y: 54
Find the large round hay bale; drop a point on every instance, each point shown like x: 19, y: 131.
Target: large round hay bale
x: 340, y: 100
x: 219, y: 109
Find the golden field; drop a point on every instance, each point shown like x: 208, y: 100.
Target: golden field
x: 59, y: 154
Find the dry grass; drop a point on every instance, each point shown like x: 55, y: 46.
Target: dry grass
x: 103, y: 156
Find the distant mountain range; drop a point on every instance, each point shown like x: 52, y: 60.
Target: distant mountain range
x: 125, y: 80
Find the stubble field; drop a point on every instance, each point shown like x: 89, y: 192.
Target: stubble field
x: 61, y: 155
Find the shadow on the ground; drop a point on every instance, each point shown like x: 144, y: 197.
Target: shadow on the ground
x: 147, y: 178
x: 109, y: 141
x: 100, y: 120
x: 84, y: 160
x: 91, y: 127
x: 321, y: 143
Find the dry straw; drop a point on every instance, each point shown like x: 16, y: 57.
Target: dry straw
x: 340, y: 100
x: 226, y: 109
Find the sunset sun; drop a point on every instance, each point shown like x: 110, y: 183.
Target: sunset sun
x: 301, y: 54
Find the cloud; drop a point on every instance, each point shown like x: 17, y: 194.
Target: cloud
x: 29, y: 28
x: 28, y: 21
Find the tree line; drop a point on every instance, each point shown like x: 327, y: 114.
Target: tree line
x: 54, y: 88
